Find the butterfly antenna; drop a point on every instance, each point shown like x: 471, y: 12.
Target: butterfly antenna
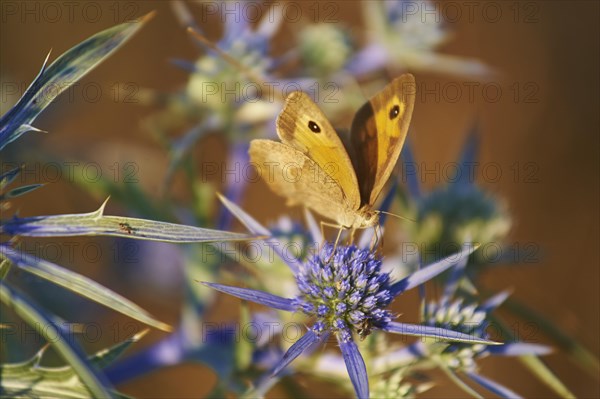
x: 231, y: 60
x: 398, y: 216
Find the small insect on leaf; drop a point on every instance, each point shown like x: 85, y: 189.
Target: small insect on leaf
x: 125, y: 227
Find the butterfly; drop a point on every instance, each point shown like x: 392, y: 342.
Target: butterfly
x: 312, y: 167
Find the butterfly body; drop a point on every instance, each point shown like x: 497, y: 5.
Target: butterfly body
x: 363, y: 218
x: 312, y: 167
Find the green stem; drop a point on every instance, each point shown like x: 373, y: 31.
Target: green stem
x: 460, y: 383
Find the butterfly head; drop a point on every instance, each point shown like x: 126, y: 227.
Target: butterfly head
x: 369, y: 218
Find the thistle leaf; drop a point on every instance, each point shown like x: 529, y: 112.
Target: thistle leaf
x: 97, y: 224
x: 93, y: 383
x: 79, y: 284
x: 60, y: 75
x: 28, y: 379
x: 107, y: 356
x: 19, y: 191
x: 7, y: 177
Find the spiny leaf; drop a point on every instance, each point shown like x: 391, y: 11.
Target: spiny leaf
x: 107, y: 356
x: 8, y: 177
x: 79, y: 284
x: 94, y: 382
x: 60, y: 75
x: 19, y: 191
x: 97, y: 224
x: 29, y: 379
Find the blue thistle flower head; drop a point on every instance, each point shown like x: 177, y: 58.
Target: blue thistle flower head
x: 418, y: 24
x: 224, y: 82
x: 394, y: 385
x: 448, y: 215
x: 459, y: 211
x: 407, y: 35
x: 466, y: 318
x: 324, y: 49
x: 246, y: 44
x: 470, y: 318
x: 345, y: 290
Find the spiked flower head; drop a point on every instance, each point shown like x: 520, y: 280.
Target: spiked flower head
x: 216, y: 74
x: 248, y: 46
x: 448, y: 215
x: 395, y: 387
x: 458, y: 211
x: 345, y: 290
x: 452, y: 312
x: 466, y: 318
x: 406, y: 35
x: 324, y: 49
x: 422, y: 30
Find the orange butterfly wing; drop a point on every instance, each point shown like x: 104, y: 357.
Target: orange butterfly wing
x: 378, y: 132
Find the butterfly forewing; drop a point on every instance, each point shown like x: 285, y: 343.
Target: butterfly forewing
x: 378, y: 132
x: 303, y: 126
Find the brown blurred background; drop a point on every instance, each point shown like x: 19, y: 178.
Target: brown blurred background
x: 553, y: 59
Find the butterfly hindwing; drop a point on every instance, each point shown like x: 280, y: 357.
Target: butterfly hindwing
x: 303, y: 126
x: 378, y: 132
x: 292, y: 174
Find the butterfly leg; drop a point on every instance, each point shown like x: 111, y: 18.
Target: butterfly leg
x: 337, y: 239
x: 377, y: 240
x: 351, y: 239
x: 324, y: 239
